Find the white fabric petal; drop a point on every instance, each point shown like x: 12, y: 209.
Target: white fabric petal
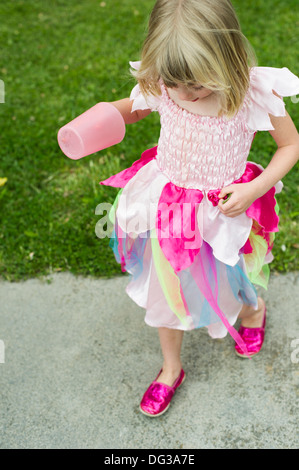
x: 261, y: 101
x: 138, y: 288
x: 139, y: 100
x: 135, y: 65
x: 138, y: 203
x: 226, y: 235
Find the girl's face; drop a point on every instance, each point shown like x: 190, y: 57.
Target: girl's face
x: 192, y: 94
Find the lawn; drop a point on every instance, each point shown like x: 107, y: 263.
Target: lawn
x: 59, y: 58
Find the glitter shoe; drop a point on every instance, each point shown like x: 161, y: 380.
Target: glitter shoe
x: 253, y: 338
x: 158, y: 396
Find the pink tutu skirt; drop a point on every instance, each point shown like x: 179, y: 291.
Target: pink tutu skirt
x: 190, y: 266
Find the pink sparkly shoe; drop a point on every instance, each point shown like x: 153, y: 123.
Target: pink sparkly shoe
x: 157, y: 398
x: 253, y: 338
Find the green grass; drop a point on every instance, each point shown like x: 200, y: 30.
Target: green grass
x: 59, y: 58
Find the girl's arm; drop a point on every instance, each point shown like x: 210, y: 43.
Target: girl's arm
x: 287, y: 138
x: 243, y: 195
x: 125, y: 107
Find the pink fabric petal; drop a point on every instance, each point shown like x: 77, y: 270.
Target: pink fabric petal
x: 247, y: 248
x: 121, y: 179
x: 213, y: 196
x: 176, y: 225
x: 263, y: 209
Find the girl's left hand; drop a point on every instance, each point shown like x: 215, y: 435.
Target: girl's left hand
x: 242, y: 196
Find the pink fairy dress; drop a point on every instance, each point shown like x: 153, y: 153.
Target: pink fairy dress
x: 190, y: 265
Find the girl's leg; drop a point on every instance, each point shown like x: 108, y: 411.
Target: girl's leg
x: 253, y: 318
x: 171, y: 343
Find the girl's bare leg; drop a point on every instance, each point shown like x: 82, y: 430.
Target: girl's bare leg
x: 253, y: 318
x: 171, y: 344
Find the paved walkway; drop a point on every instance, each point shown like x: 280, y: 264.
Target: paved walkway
x: 76, y: 358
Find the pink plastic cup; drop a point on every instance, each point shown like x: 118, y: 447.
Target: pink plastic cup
x: 98, y: 128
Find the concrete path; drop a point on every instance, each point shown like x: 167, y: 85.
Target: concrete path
x: 76, y: 358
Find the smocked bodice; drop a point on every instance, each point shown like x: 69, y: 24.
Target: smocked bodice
x: 201, y: 152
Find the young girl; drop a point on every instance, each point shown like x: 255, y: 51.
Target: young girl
x: 195, y: 221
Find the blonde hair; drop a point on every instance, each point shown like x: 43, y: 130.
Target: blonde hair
x: 196, y: 42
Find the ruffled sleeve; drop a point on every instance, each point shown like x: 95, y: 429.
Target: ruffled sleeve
x: 261, y: 101
x: 139, y: 100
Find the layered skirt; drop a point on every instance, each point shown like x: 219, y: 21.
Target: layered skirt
x: 190, y: 266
